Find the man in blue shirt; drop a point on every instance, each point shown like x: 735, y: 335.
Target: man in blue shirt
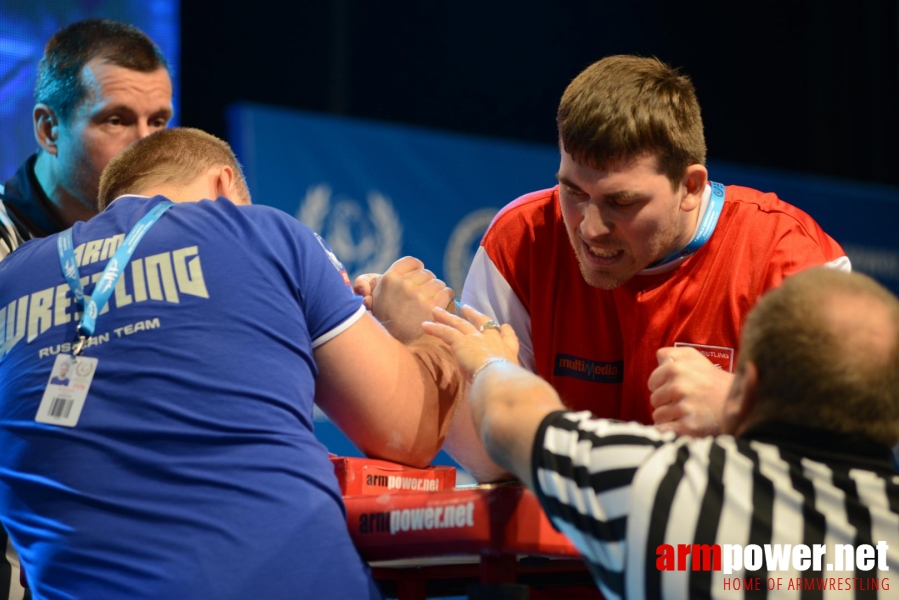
x: 101, y: 84
x: 191, y: 470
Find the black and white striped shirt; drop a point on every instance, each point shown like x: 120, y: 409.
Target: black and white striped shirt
x: 9, y: 237
x: 621, y: 491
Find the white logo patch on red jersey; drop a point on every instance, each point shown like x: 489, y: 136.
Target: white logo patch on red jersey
x: 719, y: 355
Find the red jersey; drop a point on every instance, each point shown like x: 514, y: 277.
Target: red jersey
x: 598, y: 347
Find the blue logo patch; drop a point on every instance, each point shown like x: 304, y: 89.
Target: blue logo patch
x: 589, y: 370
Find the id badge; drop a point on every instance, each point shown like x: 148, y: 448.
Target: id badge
x: 66, y: 390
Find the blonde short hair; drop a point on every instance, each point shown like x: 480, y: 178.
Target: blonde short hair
x: 169, y: 156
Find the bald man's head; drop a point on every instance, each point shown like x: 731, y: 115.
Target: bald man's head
x: 826, y: 349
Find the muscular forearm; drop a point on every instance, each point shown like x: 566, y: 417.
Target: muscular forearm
x: 434, y: 365
x: 464, y: 444
x: 421, y: 404
x: 508, y: 405
x: 394, y: 402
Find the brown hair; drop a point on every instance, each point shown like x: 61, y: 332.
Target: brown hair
x: 59, y: 84
x: 169, y: 156
x: 817, y: 364
x: 622, y: 107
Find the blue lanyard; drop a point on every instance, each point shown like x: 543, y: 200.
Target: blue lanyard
x: 706, y: 227
x: 111, y: 274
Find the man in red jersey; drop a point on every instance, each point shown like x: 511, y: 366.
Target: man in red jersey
x: 628, y: 283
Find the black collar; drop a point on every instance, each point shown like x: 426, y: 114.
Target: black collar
x: 30, y: 209
x: 823, y: 445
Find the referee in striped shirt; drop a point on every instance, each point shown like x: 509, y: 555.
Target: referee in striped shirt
x: 805, y: 465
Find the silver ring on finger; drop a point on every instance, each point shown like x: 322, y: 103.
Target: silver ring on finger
x: 491, y: 324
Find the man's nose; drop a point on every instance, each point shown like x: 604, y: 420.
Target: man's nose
x: 595, y: 223
x: 143, y: 130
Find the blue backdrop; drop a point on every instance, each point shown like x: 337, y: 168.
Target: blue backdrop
x: 377, y: 191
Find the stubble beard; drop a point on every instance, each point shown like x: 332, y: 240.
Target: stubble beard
x: 86, y: 184
x: 592, y: 276
x: 660, y: 246
x: 598, y: 279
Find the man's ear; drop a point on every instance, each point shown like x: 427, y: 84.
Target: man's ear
x: 741, y: 399
x: 228, y: 187
x: 224, y: 183
x: 46, y: 128
x: 694, y: 183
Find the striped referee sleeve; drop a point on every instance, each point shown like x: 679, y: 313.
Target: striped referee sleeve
x: 9, y: 237
x: 583, y: 469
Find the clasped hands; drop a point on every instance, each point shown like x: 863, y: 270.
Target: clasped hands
x: 403, y: 297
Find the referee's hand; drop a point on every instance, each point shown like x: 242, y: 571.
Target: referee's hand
x: 473, y: 344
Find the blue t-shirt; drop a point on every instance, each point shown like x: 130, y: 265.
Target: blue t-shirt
x: 193, y: 471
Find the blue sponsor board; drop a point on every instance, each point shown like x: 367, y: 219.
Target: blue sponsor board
x: 862, y: 217
x: 377, y: 192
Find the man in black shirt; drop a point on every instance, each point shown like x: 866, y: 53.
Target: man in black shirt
x: 100, y: 86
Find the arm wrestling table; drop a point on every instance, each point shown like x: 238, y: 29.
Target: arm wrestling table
x: 495, y: 538
x: 492, y: 540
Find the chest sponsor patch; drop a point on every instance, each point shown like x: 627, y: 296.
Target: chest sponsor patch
x: 719, y: 355
x: 596, y: 371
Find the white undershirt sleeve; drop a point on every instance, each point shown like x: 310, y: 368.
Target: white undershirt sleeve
x: 487, y: 291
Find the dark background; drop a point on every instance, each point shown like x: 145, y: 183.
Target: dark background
x: 803, y: 85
